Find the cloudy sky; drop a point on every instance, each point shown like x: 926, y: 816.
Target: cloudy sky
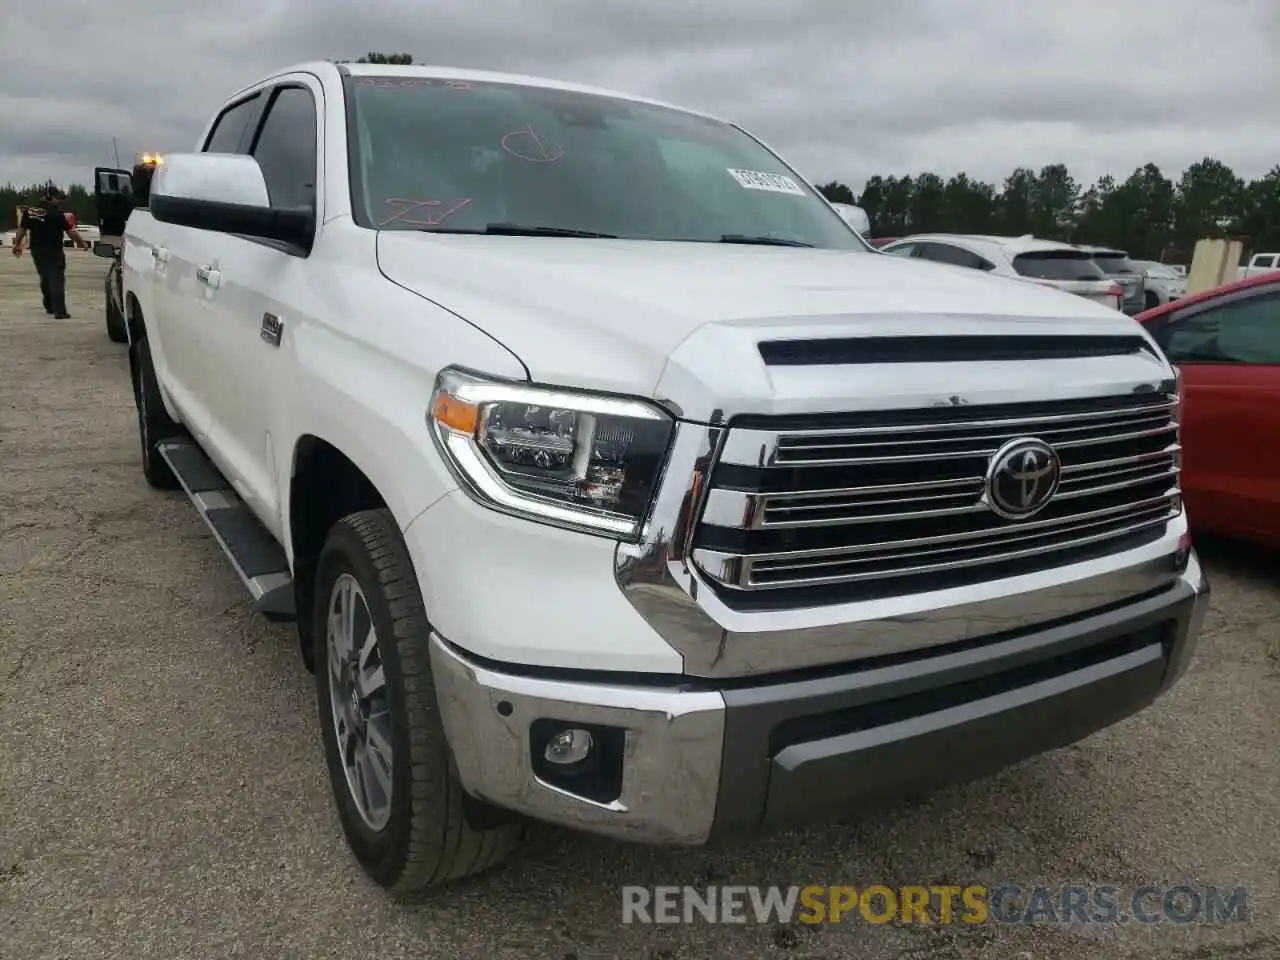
x: 843, y: 88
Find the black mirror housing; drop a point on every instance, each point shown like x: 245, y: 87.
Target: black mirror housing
x: 293, y: 227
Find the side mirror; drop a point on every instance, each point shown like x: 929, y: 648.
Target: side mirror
x: 103, y: 249
x: 855, y: 217
x: 224, y: 193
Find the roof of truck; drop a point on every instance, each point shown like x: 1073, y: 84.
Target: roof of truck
x: 422, y: 70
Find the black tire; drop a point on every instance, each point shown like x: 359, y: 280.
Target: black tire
x: 154, y: 424
x: 115, y: 320
x: 426, y: 840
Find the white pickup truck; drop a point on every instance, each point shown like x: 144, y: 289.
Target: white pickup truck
x: 1259, y: 264
x: 613, y: 480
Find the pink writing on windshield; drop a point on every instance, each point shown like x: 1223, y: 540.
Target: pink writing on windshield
x: 527, y: 145
x: 427, y: 213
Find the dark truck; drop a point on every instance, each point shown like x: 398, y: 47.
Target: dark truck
x: 116, y: 193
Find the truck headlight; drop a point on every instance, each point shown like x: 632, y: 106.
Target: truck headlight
x: 578, y: 460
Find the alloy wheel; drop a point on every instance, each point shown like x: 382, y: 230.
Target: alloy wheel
x: 358, y: 699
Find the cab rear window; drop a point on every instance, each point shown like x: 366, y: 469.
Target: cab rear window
x: 1057, y: 265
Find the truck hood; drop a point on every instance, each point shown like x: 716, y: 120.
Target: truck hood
x: 612, y: 314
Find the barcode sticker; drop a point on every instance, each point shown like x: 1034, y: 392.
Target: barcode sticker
x: 759, y: 180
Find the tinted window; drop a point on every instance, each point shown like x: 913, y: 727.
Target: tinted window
x: 229, y: 128
x: 1057, y: 265
x: 1114, y: 262
x: 1264, y: 260
x: 1243, y: 331
x: 432, y: 154
x: 286, y: 149
x: 945, y: 253
x: 902, y: 250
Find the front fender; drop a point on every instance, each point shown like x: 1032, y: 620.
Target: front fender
x: 369, y: 398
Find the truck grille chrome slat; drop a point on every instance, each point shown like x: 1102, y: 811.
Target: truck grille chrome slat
x: 1168, y: 498
x: 789, y: 452
x: 906, y: 497
x: 1105, y: 530
x: 1019, y: 424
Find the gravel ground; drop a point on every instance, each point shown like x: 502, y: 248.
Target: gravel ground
x: 163, y: 792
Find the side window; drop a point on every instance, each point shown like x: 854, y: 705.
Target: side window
x: 286, y: 149
x: 1243, y: 331
x: 229, y: 129
x: 904, y: 250
x: 1264, y: 260
x: 945, y: 253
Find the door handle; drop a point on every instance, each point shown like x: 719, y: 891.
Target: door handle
x: 209, y: 276
x: 160, y: 254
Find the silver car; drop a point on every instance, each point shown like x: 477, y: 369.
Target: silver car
x: 1116, y: 265
x: 1164, y: 284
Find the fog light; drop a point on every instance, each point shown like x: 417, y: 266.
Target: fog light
x: 569, y: 746
x: 585, y: 761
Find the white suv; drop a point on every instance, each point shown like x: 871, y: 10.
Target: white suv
x: 1051, y: 264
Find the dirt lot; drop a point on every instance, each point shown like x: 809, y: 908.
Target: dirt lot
x: 162, y: 791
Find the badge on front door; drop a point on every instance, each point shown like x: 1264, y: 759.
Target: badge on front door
x: 272, y: 329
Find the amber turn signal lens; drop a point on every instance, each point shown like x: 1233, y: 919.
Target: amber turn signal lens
x: 456, y: 414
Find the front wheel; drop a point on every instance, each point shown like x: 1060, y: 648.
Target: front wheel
x: 399, y: 801
x: 115, y: 319
x: 154, y: 423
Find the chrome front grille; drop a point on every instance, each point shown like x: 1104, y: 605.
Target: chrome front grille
x: 892, y: 502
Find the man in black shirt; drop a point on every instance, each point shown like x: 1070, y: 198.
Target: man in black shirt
x: 46, y: 224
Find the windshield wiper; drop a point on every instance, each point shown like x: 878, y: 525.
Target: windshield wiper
x: 763, y: 241
x: 517, y: 230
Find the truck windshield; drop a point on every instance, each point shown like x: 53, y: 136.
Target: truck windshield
x: 463, y: 156
x: 1057, y: 265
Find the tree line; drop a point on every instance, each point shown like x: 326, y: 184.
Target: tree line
x: 1149, y: 215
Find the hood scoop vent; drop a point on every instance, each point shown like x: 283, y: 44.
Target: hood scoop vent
x: 944, y: 349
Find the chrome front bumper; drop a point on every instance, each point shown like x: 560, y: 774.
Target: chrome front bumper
x: 706, y: 758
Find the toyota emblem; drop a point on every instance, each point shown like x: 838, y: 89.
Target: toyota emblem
x: 1022, y: 477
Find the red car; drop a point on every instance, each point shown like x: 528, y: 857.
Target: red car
x: 1226, y: 342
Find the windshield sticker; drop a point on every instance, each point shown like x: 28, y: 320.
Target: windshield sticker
x: 527, y: 145
x: 772, y: 182
x: 429, y: 208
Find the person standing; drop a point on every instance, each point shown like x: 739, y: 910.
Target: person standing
x: 46, y: 224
